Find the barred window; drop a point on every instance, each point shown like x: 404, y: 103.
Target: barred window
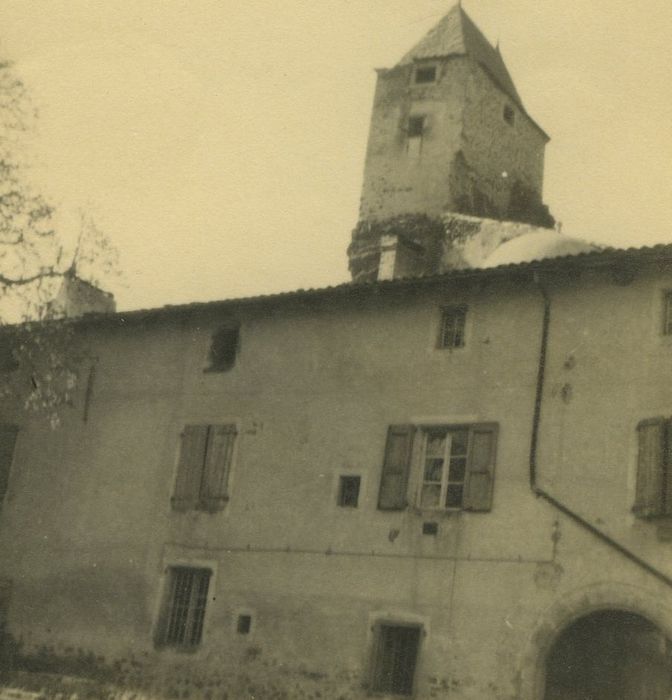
x: 182, y: 620
x: 451, y: 332
x: 395, y: 658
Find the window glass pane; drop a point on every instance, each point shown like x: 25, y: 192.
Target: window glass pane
x: 433, y: 470
x: 459, y: 441
x: 436, y: 444
x: 454, y: 496
x: 457, y: 469
x: 431, y: 493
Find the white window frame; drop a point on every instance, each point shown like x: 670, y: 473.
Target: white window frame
x: 445, y: 481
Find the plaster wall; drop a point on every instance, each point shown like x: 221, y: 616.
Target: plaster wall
x: 401, y: 180
x: 492, y: 146
x: 86, y: 529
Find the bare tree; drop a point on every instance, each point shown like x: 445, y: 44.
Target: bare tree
x: 40, y: 360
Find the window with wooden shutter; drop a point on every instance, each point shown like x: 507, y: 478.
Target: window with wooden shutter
x: 457, y: 467
x: 654, y: 483
x: 396, y: 468
x: 206, y: 454
x: 181, y: 624
x: 8, y: 435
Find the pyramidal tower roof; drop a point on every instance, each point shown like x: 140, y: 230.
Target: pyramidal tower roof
x: 457, y: 35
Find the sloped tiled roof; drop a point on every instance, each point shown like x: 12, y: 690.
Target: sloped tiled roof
x: 456, y: 34
x: 631, y: 258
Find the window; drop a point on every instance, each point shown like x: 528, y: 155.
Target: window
x: 416, y: 127
x: 654, y: 469
x: 395, y: 658
x: 244, y: 624
x: 451, y: 332
x: 425, y: 74
x: 348, y: 491
x: 8, y: 361
x: 8, y: 435
x: 667, y: 313
x: 206, y: 453
x: 224, y: 348
x: 182, y: 620
x: 508, y: 114
x: 455, y: 466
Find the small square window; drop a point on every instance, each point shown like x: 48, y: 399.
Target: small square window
x: 430, y: 528
x: 395, y: 660
x: 508, y: 114
x: 416, y: 127
x: 667, y: 313
x: 224, y: 348
x: 453, y: 321
x: 348, y: 491
x: 425, y: 74
x: 184, y: 611
x: 244, y: 624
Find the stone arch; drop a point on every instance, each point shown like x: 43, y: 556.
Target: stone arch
x: 579, y: 604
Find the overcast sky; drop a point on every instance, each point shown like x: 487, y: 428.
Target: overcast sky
x: 221, y: 143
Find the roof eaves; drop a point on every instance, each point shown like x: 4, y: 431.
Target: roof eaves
x: 589, y: 259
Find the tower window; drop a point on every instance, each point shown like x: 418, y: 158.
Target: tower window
x: 426, y: 74
x: 509, y: 114
x: 416, y: 127
x: 244, y: 624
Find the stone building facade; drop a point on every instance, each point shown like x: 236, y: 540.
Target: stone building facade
x: 449, y: 485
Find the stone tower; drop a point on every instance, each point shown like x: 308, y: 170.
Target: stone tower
x: 449, y: 135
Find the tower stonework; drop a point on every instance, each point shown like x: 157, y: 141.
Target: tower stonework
x: 449, y: 135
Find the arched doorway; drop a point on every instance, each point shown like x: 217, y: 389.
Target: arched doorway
x: 610, y: 655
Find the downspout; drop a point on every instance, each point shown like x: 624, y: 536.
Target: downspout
x: 539, y: 492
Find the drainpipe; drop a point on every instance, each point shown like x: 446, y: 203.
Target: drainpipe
x: 538, y: 491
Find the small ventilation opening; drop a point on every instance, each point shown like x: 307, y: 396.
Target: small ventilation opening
x: 244, y: 624
x: 509, y: 114
x: 348, y: 491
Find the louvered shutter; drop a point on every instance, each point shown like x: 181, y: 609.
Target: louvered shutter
x: 650, y: 468
x: 219, y: 452
x: 190, y: 467
x: 396, y: 467
x: 480, y: 479
x: 8, y: 435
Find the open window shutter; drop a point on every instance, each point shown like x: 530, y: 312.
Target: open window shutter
x: 650, y: 468
x: 396, y: 467
x: 190, y: 467
x: 8, y: 435
x: 481, y: 467
x: 217, y: 465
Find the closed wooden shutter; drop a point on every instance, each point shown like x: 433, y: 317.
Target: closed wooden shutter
x: 396, y: 467
x: 190, y: 467
x: 479, y: 485
x: 8, y: 435
x: 219, y: 452
x: 650, y: 468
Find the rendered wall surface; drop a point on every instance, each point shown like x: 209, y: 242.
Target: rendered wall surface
x: 87, y: 531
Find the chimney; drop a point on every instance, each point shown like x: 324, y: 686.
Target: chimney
x: 400, y: 257
x: 77, y: 297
